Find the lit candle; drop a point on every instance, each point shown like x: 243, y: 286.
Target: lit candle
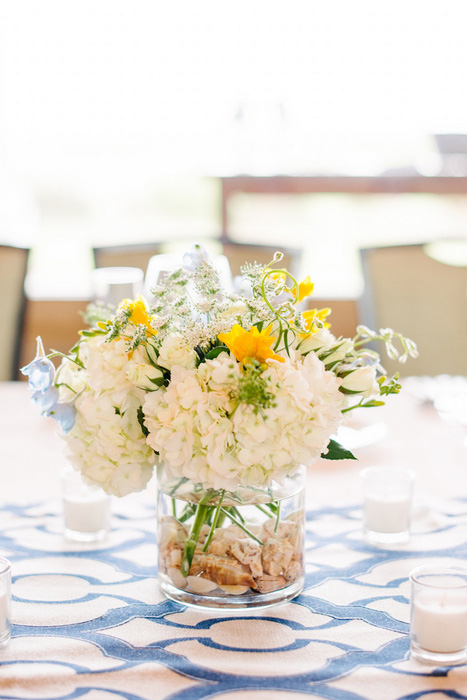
x: 438, y: 625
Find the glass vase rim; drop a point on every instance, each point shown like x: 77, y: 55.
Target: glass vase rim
x: 386, y: 470
x: 5, y: 566
x: 297, y: 478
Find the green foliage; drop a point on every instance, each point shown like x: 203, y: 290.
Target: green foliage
x: 97, y: 312
x: 392, y: 386
x: 214, y: 352
x: 337, y: 451
x: 140, y: 416
x: 252, y: 388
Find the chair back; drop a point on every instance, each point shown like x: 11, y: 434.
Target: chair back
x: 13, y: 266
x: 240, y: 253
x: 132, y: 255
x: 421, y: 297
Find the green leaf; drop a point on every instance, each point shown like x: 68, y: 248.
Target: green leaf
x: 91, y: 333
x: 336, y: 451
x: 151, y: 353
x: 140, y: 416
x: 158, y: 381
x: 286, y: 341
x: 212, y: 354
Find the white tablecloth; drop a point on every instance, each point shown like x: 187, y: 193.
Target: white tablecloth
x: 90, y: 621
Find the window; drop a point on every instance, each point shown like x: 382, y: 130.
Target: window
x: 116, y: 118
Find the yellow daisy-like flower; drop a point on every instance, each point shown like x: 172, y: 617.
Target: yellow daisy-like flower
x: 252, y: 344
x: 305, y: 289
x: 313, y: 314
x: 139, y: 314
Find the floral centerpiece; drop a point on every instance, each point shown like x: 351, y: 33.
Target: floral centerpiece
x: 229, y: 394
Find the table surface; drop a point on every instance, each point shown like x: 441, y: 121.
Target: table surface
x: 90, y: 622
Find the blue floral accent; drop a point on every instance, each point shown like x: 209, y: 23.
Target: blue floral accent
x: 195, y: 257
x: 45, y: 400
x: 64, y: 414
x: 41, y: 376
x: 41, y: 371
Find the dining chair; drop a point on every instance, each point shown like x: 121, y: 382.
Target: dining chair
x: 13, y: 266
x: 130, y: 255
x: 416, y: 291
x: 239, y: 253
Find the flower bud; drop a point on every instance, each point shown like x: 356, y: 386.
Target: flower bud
x: 362, y: 381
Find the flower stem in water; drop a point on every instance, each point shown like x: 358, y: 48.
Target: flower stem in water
x: 202, y: 512
x: 228, y: 513
x: 278, y: 514
x: 215, y: 521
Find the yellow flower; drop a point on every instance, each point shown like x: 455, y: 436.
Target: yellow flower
x: 305, y: 289
x: 313, y: 314
x: 139, y: 314
x: 252, y: 344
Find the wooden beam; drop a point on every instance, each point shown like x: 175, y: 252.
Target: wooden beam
x: 313, y: 184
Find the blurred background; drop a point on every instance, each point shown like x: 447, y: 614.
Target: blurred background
x: 322, y: 127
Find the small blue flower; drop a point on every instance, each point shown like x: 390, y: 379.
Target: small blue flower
x: 196, y: 255
x: 45, y: 400
x: 64, y: 414
x: 40, y: 371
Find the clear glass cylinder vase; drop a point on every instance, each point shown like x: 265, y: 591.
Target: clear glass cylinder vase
x: 231, y: 549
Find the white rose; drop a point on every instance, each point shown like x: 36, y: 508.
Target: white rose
x: 144, y: 376
x: 176, y: 351
x: 322, y: 339
x: 363, y: 381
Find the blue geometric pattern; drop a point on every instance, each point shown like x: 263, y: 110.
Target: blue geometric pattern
x: 90, y: 622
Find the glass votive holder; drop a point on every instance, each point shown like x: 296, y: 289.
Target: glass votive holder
x: 86, y: 510
x: 387, y: 504
x: 438, y: 614
x: 112, y: 284
x: 5, y: 601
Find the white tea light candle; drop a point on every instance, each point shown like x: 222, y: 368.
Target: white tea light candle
x: 86, y: 514
x: 387, y: 504
x: 86, y: 511
x: 387, y: 513
x: 438, y: 623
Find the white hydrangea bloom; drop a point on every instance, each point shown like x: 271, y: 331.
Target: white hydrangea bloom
x: 202, y: 434
x: 105, y: 363
x: 106, y: 443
